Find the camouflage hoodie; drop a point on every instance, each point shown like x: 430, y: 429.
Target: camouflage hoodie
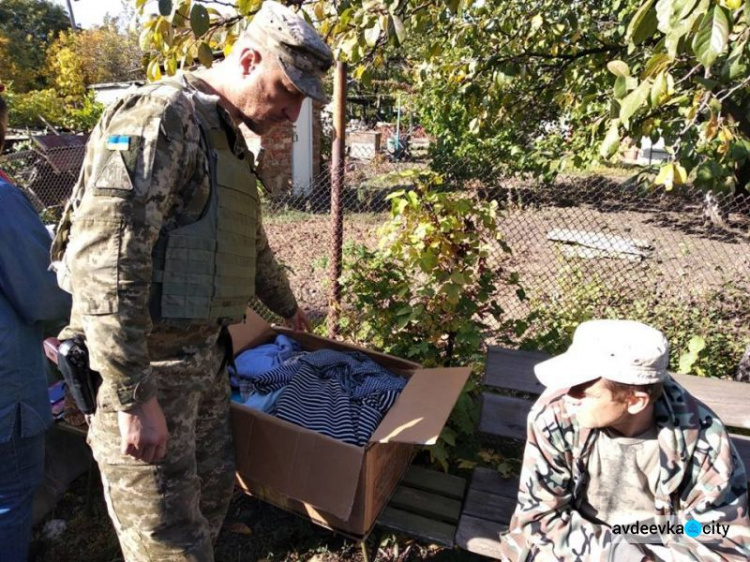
x: 701, y: 478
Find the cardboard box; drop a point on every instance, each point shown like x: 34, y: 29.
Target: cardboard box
x: 337, y: 485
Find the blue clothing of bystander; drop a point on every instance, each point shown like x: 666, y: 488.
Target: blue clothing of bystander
x: 29, y: 295
x: 23, y: 470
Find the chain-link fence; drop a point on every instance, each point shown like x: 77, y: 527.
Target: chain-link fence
x: 586, y: 245
x: 46, y: 176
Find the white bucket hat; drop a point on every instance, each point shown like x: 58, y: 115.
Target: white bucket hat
x: 622, y: 351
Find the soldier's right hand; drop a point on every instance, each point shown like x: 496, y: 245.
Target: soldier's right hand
x: 143, y: 431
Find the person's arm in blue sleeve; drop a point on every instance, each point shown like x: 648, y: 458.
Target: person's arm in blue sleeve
x: 25, y: 278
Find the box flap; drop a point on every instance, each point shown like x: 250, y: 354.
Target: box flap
x: 419, y: 414
x: 296, y: 462
x: 253, y: 332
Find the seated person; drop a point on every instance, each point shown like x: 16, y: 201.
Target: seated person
x: 614, y: 441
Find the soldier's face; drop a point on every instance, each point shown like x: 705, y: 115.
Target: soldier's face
x: 593, y: 405
x: 267, y: 98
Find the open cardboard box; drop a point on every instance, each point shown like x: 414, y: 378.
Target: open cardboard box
x: 337, y: 485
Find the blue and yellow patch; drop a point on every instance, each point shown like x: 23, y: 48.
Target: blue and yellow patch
x: 118, y: 142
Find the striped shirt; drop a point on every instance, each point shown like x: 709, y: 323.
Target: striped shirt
x: 341, y: 395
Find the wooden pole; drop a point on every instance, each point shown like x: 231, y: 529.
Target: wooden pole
x: 337, y: 185
x: 71, y: 16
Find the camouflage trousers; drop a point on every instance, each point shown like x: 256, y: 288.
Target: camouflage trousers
x: 172, y: 510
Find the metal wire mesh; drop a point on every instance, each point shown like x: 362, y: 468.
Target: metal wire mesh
x: 629, y: 239
x: 46, y: 176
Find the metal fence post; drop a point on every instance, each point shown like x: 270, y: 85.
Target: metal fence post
x: 337, y: 184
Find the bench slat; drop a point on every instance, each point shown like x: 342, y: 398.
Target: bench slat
x: 514, y: 370
x: 490, y: 481
x: 729, y: 399
x: 425, y: 503
x: 489, y: 506
x: 504, y: 416
x: 437, y: 532
x: 433, y: 481
x: 479, y: 536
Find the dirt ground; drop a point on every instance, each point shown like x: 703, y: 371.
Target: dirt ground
x: 681, y: 254
x: 253, y: 531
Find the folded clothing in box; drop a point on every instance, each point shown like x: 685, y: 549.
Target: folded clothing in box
x: 343, y: 395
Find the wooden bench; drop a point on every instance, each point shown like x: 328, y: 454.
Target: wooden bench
x: 427, y: 504
x: 491, y: 499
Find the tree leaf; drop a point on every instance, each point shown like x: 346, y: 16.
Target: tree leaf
x: 642, y: 25
x: 656, y: 64
x: 711, y: 39
x: 199, y: 21
x: 165, y: 7
x: 319, y: 11
x: 398, y: 28
x: 624, y: 84
x: 664, y: 11
x: 618, y: 68
x: 205, y: 56
x: 372, y: 34
x: 696, y: 344
x: 666, y: 176
x: 153, y: 72
x: 633, y: 101
x: 659, y: 89
x: 171, y: 65
x: 612, y: 140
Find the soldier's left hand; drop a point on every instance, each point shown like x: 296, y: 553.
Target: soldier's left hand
x: 299, y: 321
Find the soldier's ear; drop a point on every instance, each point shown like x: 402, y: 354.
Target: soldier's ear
x: 249, y: 59
x: 637, y: 401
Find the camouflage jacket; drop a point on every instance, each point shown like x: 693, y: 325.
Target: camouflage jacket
x: 126, y: 197
x: 701, y: 478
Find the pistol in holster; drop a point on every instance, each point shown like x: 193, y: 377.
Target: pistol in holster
x: 83, y: 383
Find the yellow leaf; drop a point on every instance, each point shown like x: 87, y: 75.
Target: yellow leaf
x: 666, y: 176
x: 712, y: 127
x: 319, y: 11
x: 731, y: 4
x: 725, y: 135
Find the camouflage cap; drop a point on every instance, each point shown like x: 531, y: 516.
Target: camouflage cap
x: 300, y: 50
x: 622, y: 351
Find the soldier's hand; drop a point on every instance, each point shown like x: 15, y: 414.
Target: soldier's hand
x: 299, y: 321
x: 143, y: 432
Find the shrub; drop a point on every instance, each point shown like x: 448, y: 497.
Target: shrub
x: 427, y: 293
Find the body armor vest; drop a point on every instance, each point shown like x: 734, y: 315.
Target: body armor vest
x: 206, y: 270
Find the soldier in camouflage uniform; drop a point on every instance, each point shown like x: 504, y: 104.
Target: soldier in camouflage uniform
x: 673, y: 460
x: 162, y: 246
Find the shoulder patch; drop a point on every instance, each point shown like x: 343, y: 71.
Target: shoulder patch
x: 114, y: 174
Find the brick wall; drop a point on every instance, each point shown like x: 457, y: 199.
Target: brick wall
x: 275, y: 165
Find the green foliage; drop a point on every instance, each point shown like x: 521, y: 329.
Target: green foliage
x: 560, y: 91
x: 428, y: 292
x: 27, y: 28
x: 101, y: 54
x: 707, y: 334
x: 25, y: 109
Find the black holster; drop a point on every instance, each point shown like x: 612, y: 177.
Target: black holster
x: 83, y: 383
